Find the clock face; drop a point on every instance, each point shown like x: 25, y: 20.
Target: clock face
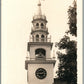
x: 41, y: 73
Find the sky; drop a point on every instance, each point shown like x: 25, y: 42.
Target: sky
x: 16, y: 27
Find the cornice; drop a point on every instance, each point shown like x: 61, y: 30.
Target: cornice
x: 39, y: 43
x: 38, y: 62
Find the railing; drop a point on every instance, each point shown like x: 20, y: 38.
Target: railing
x: 40, y: 39
x: 28, y: 58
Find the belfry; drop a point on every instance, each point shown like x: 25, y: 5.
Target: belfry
x: 39, y: 64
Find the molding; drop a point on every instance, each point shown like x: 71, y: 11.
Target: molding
x: 38, y: 43
x: 39, y: 31
x: 39, y: 62
x: 40, y: 19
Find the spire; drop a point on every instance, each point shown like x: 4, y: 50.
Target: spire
x: 39, y: 8
x: 39, y: 14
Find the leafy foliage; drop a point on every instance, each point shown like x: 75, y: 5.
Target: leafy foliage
x: 72, y: 16
x: 67, y: 68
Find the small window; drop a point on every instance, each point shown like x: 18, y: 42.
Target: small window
x: 37, y: 24
x: 37, y: 37
x: 33, y: 38
x: 42, y: 38
x: 42, y: 25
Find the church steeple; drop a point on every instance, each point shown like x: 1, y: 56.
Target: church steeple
x: 39, y: 32
x: 39, y: 64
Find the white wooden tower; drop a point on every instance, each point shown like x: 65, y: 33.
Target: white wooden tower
x: 39, y: 64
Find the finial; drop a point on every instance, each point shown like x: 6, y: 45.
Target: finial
x: 39, y: 8
x: 38, y: 14
x: 39, y: 3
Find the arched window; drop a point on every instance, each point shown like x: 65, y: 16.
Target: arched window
x: 42, y: 37
x: 33, y: 38
x: 37, y: 25
x: 42, y: 25
x: 40, y: 53
x: 37, y: 37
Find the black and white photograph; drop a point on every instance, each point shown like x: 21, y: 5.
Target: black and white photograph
x: 41, y: 42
